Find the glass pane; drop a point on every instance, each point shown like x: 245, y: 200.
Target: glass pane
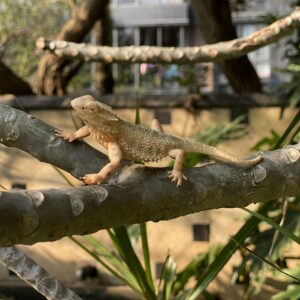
x: 263, y: 69
x: 170, y: 36
x: 150, y: 2
x: 125, y: 37
x: 148, y: 36
x: 261, y: 57
x: 172, y: 1
x: 121, y: 2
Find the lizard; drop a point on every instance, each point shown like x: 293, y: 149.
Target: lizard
x: 125, y: 140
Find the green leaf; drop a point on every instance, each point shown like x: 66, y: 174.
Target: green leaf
x: 284, y: 138
x: 122, y: 241
x: 115, y: 261
x: 251, y: 224
x: 283, y: 230
x: 292, y: 293
x: 120, y: 270
x: 134, y: 233
x: 137, y: 112
x: 212, y: 271
x: 261, y: 258
x: 169, y: 272
x: 147, y: 261
x: 195, y: 267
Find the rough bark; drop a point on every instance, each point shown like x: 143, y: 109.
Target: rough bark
x: 135, y: 194
x: 28, y: 270
x: 54, y: 72
x: 215, y: 22
x: 11, y: 83
x: 181, y: 55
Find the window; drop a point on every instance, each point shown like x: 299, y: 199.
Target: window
x: 148, y: 36
x: 18, y: 185
x: 149, y: 76
x: 151, y: 2
x: 261, y: 57
x: 163, y: 116
x: 124, y: 73
x: 124, y: 2
x: 201, y: 232
x: 170, y: 36
x: 125, y: 36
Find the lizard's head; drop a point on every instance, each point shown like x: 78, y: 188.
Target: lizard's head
x: 90, y: 109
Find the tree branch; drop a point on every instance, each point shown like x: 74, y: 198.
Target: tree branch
x: 135, y: 194
x: 54, y: 72
x: 141, y: 54
x: 28, y: 270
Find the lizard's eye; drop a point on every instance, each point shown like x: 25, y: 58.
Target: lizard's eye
x: 82, y: 107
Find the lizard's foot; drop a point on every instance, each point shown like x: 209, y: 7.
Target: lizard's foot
x: 177, y: 177
x: 91, y: 179
x: 67, y: 136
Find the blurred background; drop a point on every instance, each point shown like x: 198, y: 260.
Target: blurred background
x: 241, y: 105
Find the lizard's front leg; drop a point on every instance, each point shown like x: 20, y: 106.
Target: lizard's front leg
x: 176, y: 173
x: 72, y: 136
x: 115, y: 157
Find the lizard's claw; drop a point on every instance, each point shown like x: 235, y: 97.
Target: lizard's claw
x: 67, y: 136
x: 91, y: 179
x: 177, y: 176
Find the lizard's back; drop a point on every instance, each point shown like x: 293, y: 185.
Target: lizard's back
x: 138, y: 142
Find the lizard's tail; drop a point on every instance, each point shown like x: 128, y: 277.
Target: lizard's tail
x: 196, y: 147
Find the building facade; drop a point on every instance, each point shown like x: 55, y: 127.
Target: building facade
x: 172, y: 23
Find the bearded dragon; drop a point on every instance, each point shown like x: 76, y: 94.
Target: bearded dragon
x: 125, y: 140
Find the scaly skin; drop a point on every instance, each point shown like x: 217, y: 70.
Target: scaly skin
x: 125, y: 140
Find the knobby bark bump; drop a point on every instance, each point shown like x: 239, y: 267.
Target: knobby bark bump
x: 180, y: 55
x: 135, y: 194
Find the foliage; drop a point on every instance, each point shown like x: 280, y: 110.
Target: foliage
x: 290, y: 90
x: 263, y: 240
x: 292, y: 291
x: 192, y: 77
x: 19, y: 52
x: 18, y: 35
x: 213, y: 135
x: 125, y: 264
x: 267, y: 142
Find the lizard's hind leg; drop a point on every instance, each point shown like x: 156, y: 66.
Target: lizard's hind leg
x: 176, y: 174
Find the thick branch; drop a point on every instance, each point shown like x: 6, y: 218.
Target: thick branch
x: 140, y: 54
x: 11, y: 83
x: 136, y: 194
x: 55, y: 72
x: 28, y: 270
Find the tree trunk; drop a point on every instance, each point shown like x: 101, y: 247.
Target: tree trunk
x: 103, y: 78
x: 215, y: 22
x: 55, y: 72
x: 11, y: 83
